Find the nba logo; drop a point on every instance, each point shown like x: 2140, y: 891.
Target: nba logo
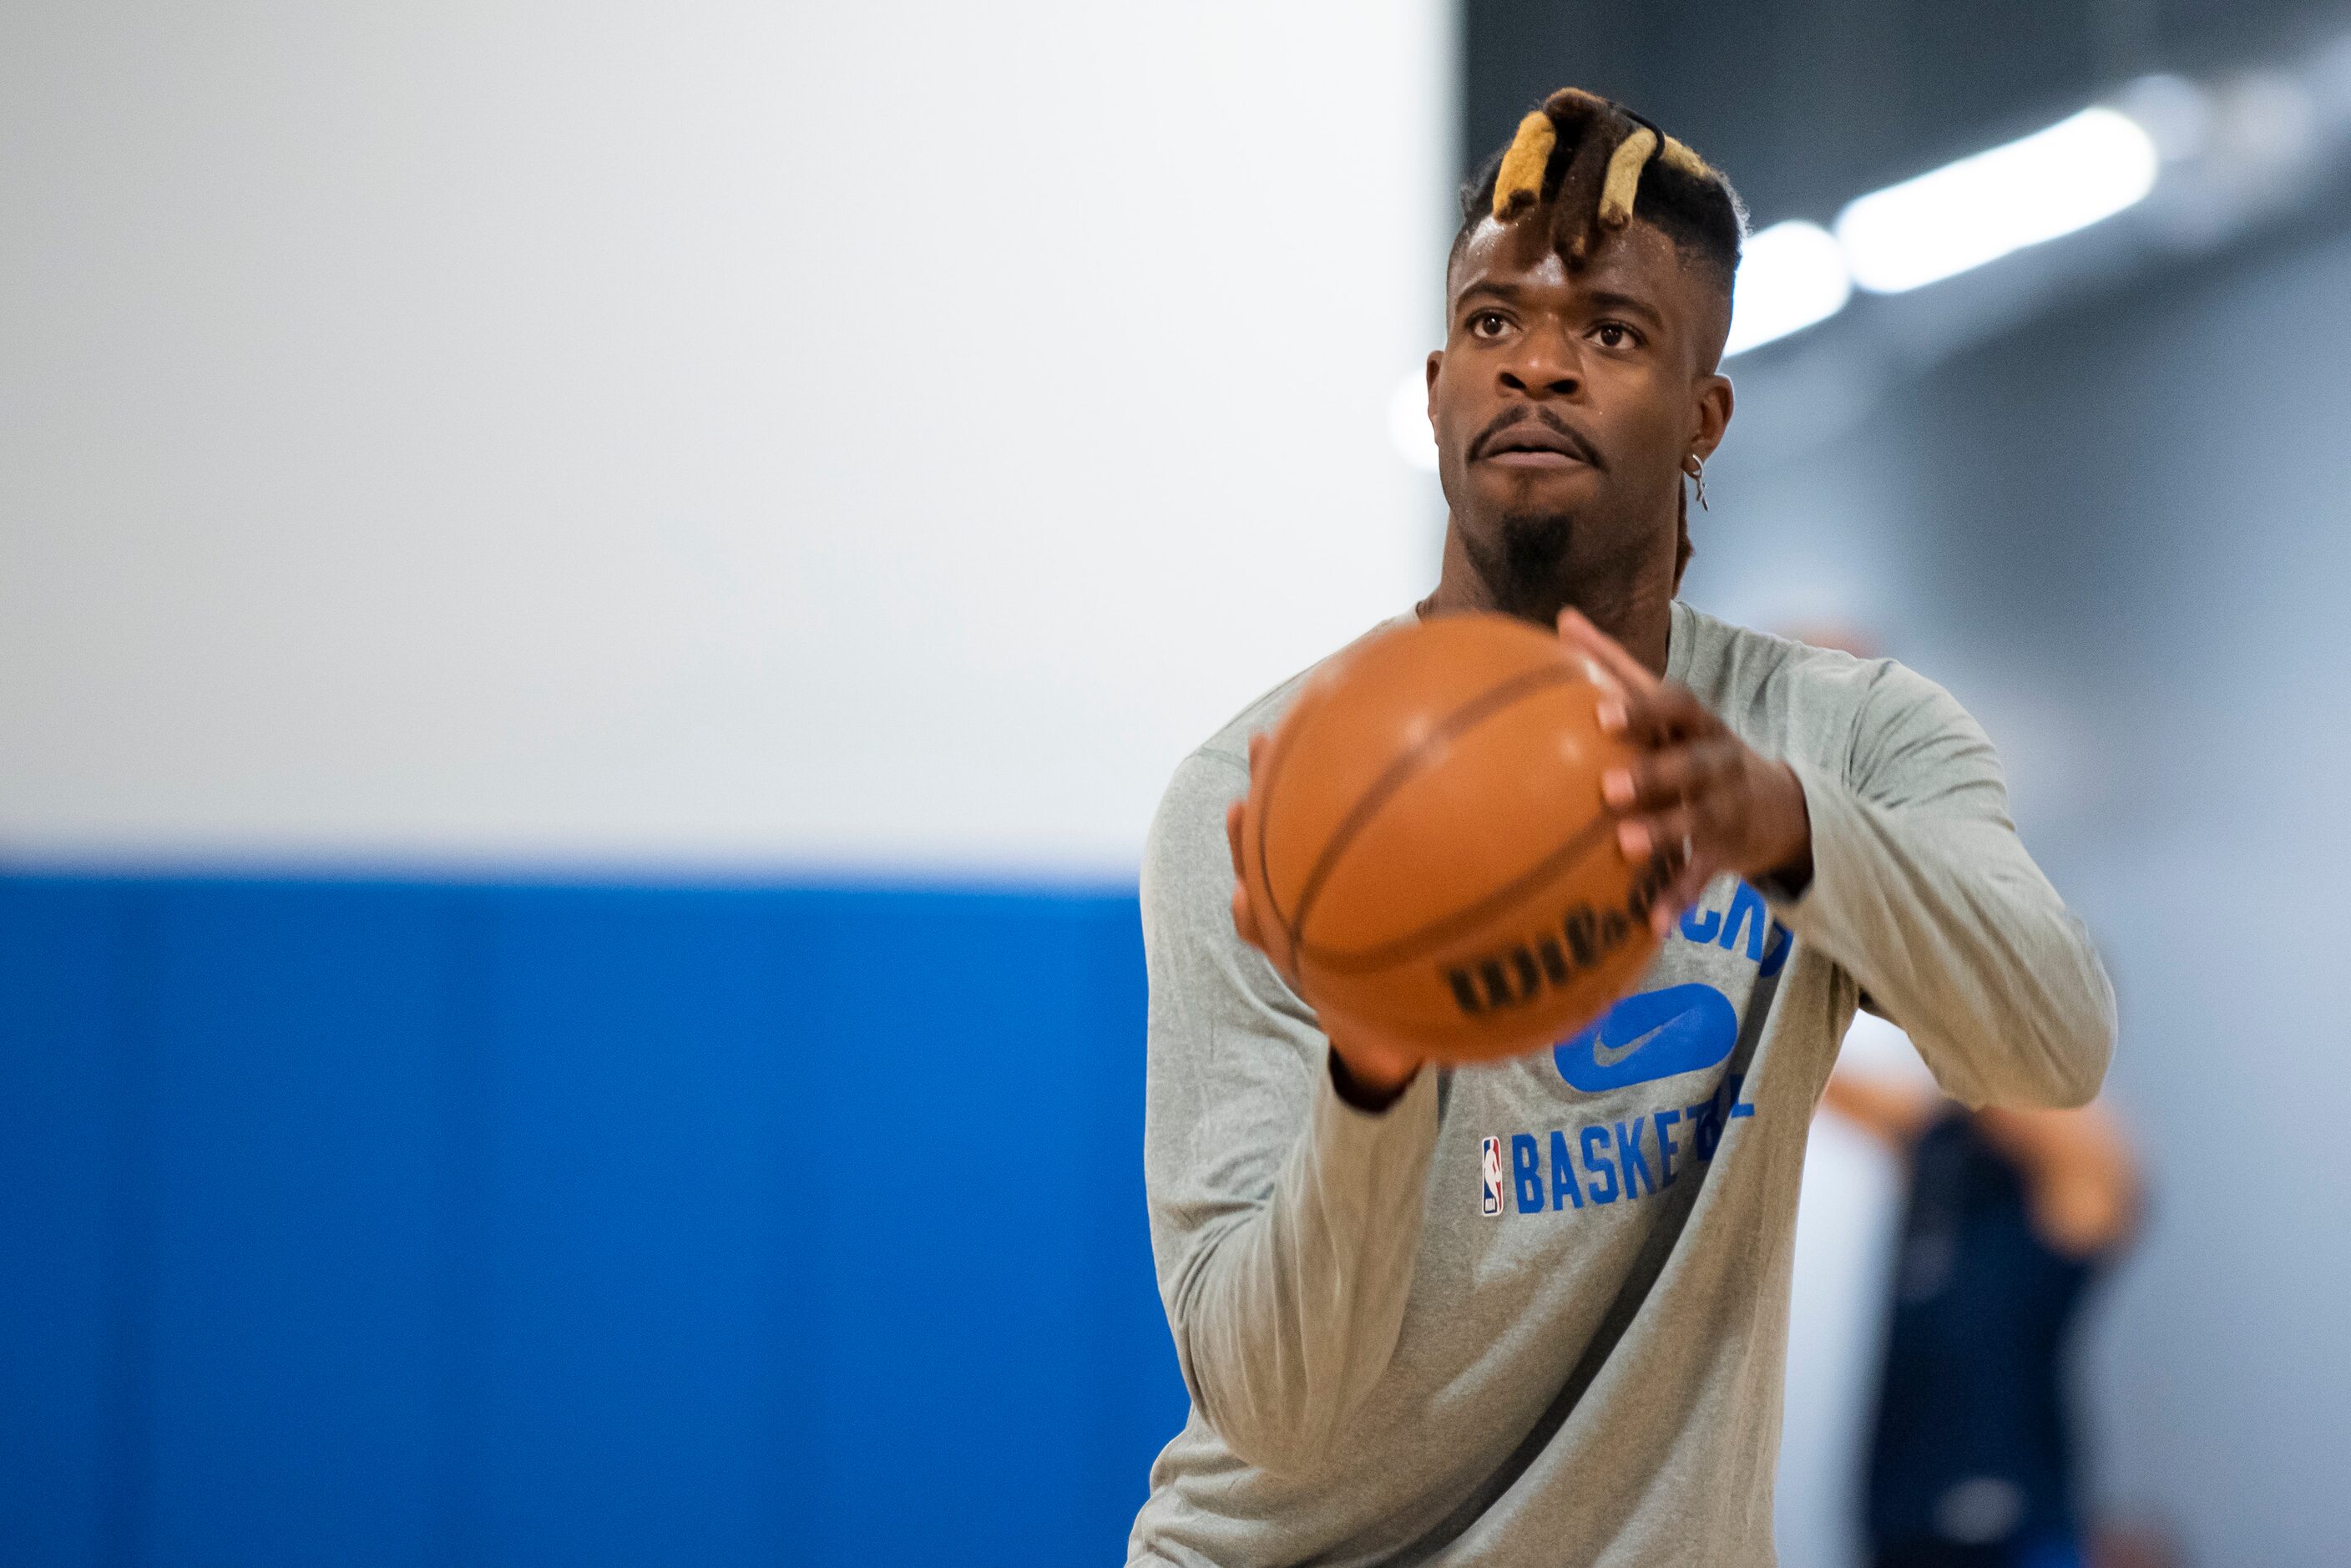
x: 1490, y: 1177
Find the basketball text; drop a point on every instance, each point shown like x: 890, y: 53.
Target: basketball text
x: 1514, y: 976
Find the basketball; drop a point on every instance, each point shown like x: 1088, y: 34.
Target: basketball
x: 1428, y: 848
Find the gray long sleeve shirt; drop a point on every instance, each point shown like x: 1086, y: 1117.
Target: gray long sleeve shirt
x: 1535, y: 1312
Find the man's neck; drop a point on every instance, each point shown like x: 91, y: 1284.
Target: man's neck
x: 1636, y: 611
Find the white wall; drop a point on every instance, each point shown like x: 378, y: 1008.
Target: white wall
x: 727, y: 434
x: 1848, y: 1222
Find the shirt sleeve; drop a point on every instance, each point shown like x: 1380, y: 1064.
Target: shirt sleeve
x: 1283, y: 1220
x: 1923, y: 892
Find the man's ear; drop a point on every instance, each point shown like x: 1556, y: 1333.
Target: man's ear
x: 1436, y: 363
x: 1712, y: 404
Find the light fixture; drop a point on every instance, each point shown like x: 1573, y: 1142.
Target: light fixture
x: 1790, y: 276
x: 1943, y: 222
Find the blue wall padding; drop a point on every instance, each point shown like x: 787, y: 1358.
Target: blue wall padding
x: 359, y: 1223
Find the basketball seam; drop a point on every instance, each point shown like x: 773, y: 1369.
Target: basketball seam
x: 1398, y: 774
x: 1398, y: 948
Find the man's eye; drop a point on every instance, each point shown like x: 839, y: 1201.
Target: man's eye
x: 1615, y: 335
x: 1487, y: 324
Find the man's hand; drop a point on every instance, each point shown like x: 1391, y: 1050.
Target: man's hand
x: 1373, y: 1070
x: 1698, y: 792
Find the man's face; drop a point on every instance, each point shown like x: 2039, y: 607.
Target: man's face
x: 1565, y: 405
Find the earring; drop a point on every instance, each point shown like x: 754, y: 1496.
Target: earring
x: 1696, y: 470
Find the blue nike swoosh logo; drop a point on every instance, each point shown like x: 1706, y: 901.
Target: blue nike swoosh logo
x: 1608, y: 1055
x: 1650, y: 1035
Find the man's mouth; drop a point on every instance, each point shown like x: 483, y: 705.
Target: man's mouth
x: 1532, y: 443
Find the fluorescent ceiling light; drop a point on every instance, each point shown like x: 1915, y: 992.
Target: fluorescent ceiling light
x: 1790, y: 276
x: 1978, y: 209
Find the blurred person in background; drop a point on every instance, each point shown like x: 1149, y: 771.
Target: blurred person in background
x: 2012, y: 1214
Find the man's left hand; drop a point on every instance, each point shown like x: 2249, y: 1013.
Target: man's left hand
x: 1698, y: 792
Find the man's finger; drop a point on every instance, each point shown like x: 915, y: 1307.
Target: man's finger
x: 1682, y: 893
x: 1644, y: 835
x: 1669, y: 775
x: 1605, y: 650
x: 1244, y: 912
x: 1628, y: 690
x: 1245, y: 918
x: 1613, y: 671
x: 1662, y: 714
x: 1234, y: 813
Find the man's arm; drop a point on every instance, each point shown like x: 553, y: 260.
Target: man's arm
x: 1898, y: 862
x: 1922, y: 891
x: 1283, y: 1219
x: 2081, y: 1177
x: 1892, y: 1113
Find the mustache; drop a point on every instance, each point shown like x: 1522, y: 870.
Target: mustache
x: 1510, y: 419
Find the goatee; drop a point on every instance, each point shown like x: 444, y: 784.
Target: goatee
x: 1527, y: 574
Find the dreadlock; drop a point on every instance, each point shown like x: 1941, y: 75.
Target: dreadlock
x: 1596, y: 165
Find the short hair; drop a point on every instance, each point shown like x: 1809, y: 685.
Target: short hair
x: 1577, y: 174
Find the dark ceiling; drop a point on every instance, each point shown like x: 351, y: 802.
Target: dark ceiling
x: 1806, y: 103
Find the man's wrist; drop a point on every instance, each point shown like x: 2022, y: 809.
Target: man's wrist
x: 1367, y: 1093
x: 1794, y: 873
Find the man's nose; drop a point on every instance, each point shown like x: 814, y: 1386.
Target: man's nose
x: 1545, y: 366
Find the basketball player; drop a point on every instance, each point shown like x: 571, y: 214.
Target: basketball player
x: 1534, y: 1312
x: 2011, y: 1212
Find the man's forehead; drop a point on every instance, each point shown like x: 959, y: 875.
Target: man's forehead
x: 1638, y: 260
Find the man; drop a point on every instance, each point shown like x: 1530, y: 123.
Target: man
x: 2010, y: 1215
x: 1384, y: 1367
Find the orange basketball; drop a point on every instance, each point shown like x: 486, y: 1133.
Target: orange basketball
x: 1426, y: 849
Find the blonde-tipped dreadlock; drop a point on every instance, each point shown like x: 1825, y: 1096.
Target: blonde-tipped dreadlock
x: 1597, y: 190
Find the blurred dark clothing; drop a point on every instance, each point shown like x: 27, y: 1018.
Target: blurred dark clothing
x: 1972, y: 1465
x: 2053, y: 1551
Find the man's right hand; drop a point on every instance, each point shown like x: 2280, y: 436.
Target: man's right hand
x: 1376, y: 1070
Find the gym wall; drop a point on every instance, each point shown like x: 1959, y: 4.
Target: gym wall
x: 594, y: 601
